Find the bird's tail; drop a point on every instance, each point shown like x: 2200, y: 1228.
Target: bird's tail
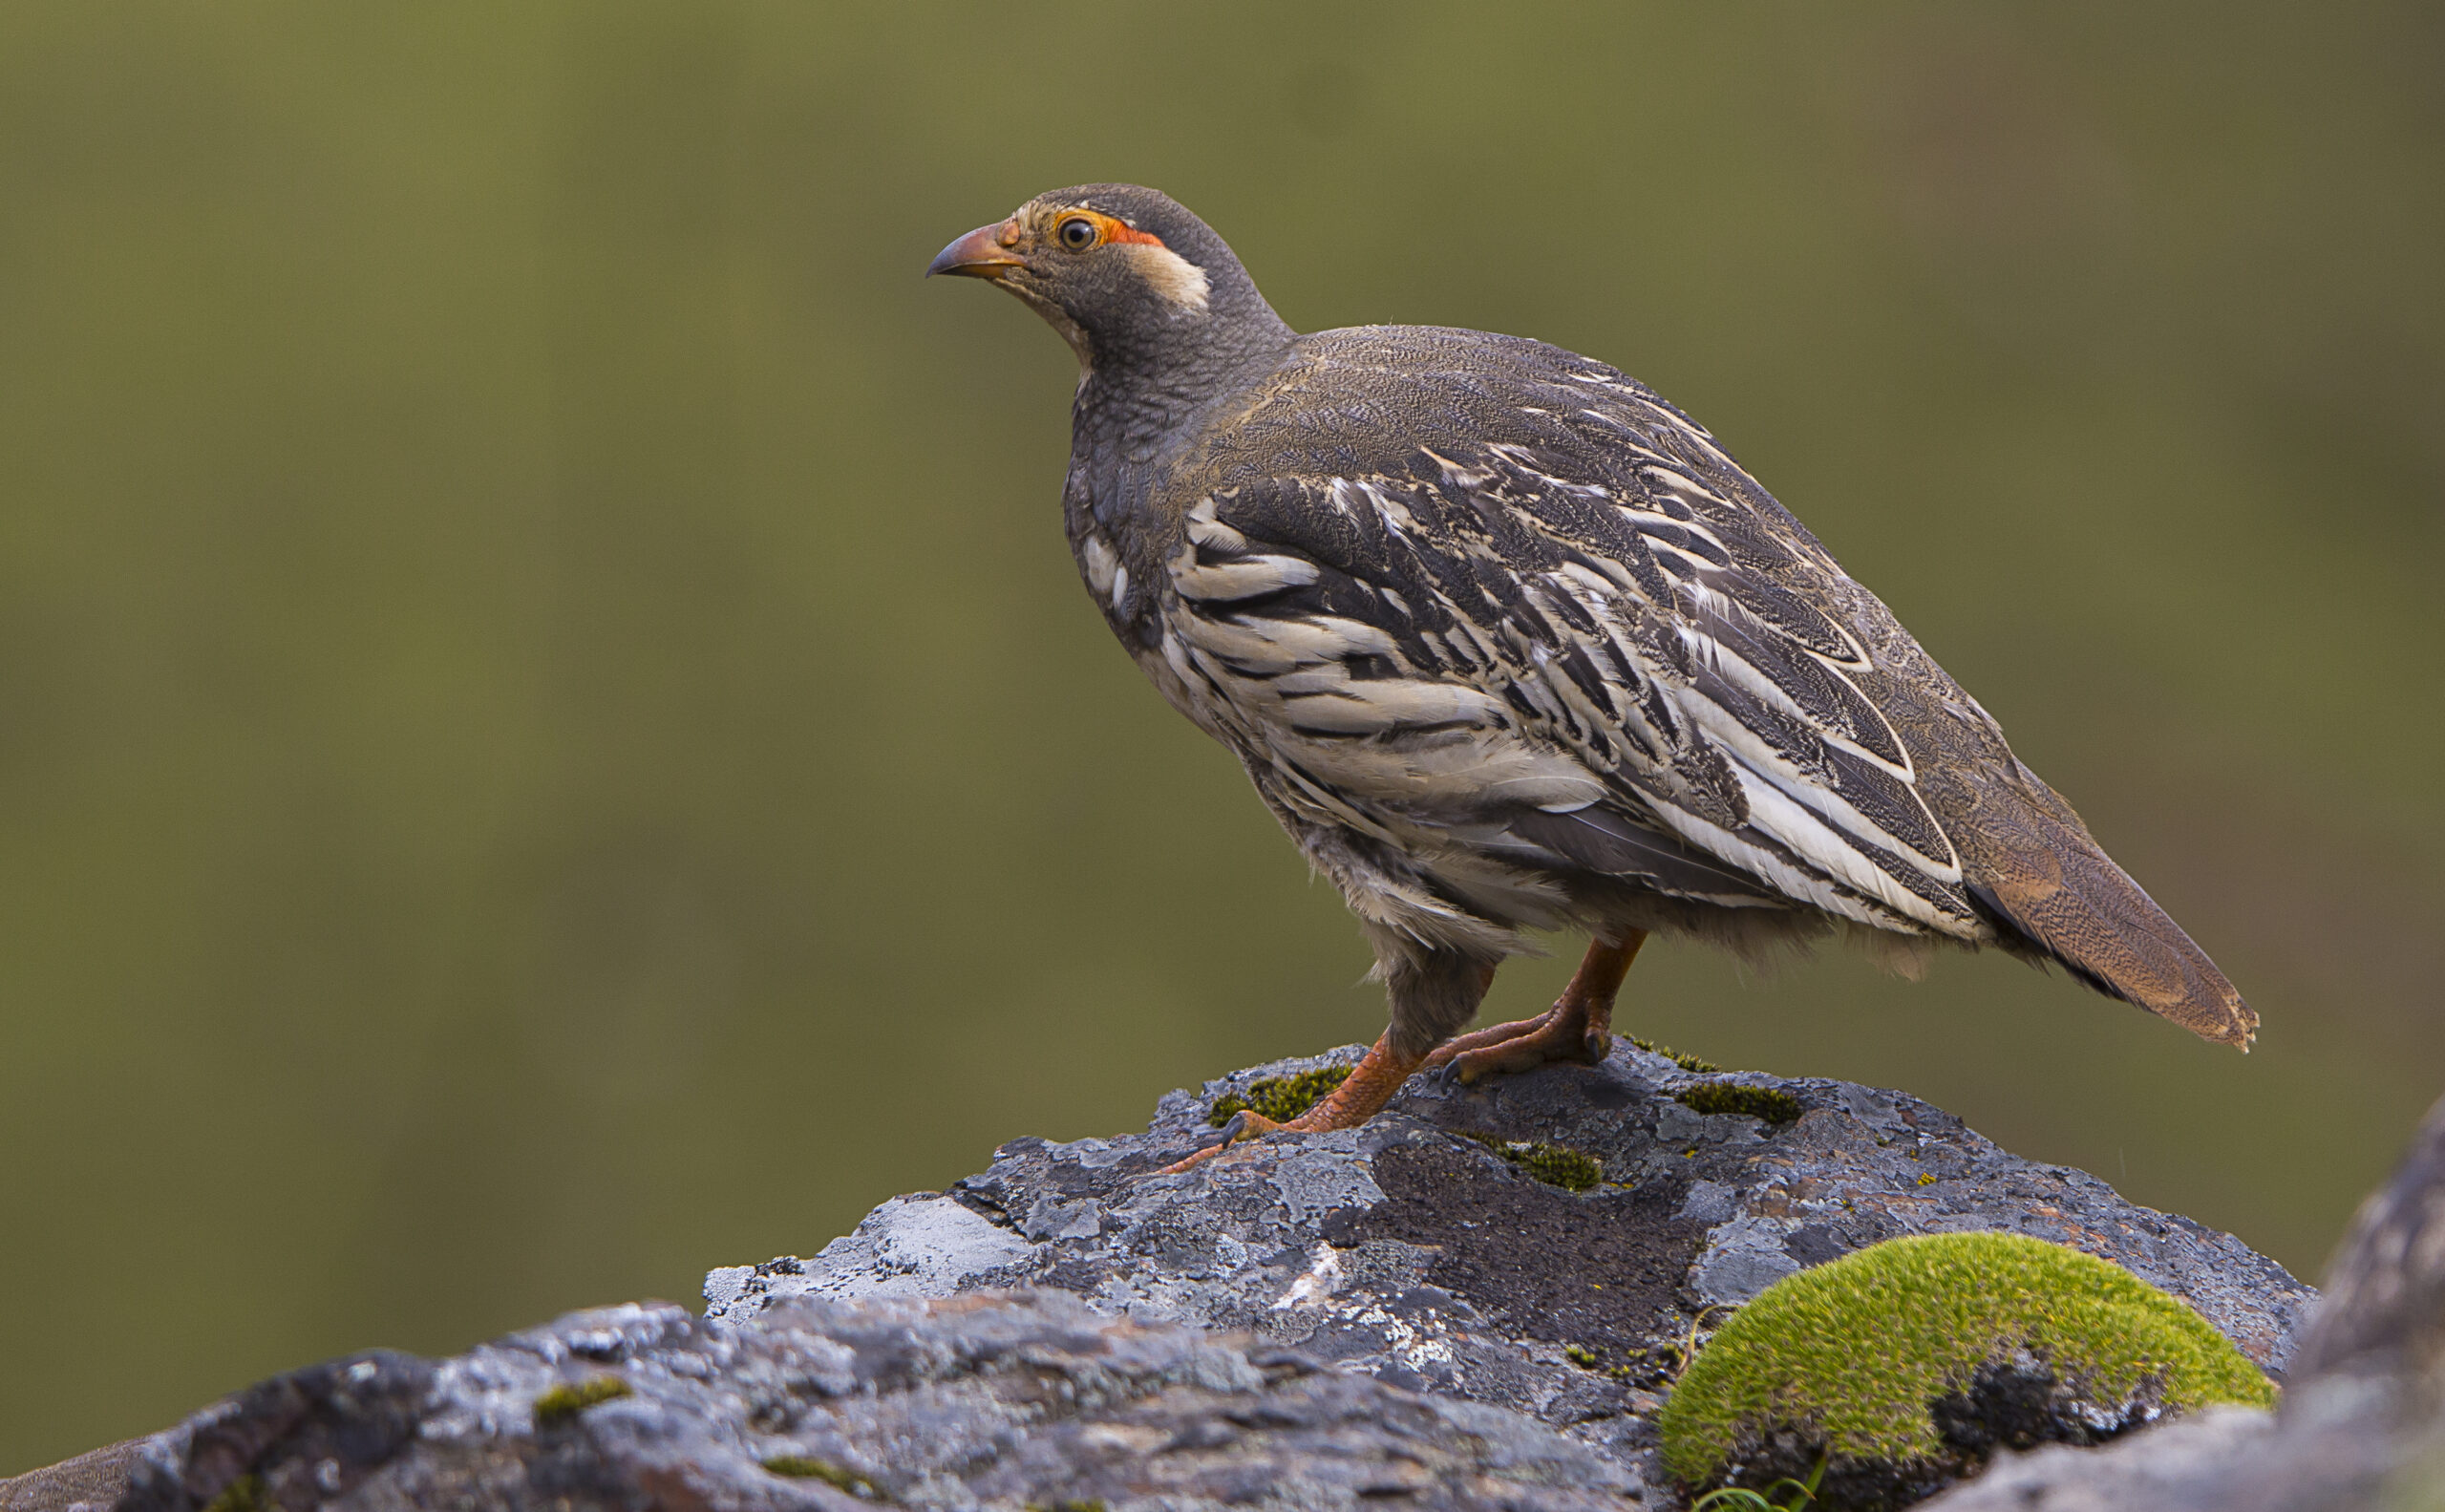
x: 2048, y: 883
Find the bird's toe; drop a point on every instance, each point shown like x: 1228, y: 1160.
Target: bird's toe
x: 1244, y: 1125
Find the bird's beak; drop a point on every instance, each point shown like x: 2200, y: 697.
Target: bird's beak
x: 982, y: 253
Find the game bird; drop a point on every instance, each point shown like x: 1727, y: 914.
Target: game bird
x: 1508, y: 644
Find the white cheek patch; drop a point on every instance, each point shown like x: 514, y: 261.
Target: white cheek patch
x: 1180, y: 282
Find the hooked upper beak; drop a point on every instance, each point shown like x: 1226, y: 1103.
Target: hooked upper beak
x: 982, y: 253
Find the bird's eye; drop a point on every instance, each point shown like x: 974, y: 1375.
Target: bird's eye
x: 1078, y: 233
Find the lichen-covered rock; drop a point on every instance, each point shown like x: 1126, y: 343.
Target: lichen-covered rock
x: 1476, y: 1300
x: 1886, y: 1375
x: 1423, y: 1250
x: 985, y: 1401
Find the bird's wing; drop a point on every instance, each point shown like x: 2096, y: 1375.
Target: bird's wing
x: 1583, y: 624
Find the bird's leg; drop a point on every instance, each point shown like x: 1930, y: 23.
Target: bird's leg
x: 1578, y: 1026
x: 1361, y: 1096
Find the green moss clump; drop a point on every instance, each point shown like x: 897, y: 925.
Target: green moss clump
x: 1770, y: 1103
x: 1280, y: 1099
x: 569, y: 1398
x: 805, y: 1467
x: 1553, y: 1164
x: 1636, y: 1367
x: 1847, y: 1359
x: 1684, y: 1062
x: 246, y: 1494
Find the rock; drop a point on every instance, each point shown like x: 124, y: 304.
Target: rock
x: 87, y: 1483
x: 1411, y: 1250
x: 974, y: 1401
x: 2157, y: 1469
x: 2362, y: 1424
x: 910, y: 1246
x: 1399, y: 1311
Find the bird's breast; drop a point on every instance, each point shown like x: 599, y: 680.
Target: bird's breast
x: 1118, y: 575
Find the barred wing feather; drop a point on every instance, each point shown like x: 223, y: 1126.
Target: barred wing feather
x: 1508, y: 628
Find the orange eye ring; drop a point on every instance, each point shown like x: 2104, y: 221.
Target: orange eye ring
x: 1078, y: 233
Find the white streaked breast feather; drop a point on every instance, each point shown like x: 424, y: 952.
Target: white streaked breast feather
x: 1262, y: 645
x: 1249, y: 578
x: 1388, y: 705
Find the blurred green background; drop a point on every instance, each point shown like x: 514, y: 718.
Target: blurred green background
x: 549, y: 739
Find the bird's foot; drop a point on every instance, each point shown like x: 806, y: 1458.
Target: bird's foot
x: 1565, y: 1032
x: 1244, y: 1125
x: 1579, y: 1026
x: 1360, y: 1096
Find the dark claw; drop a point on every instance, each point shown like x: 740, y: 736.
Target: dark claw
x: 1597, y: 1045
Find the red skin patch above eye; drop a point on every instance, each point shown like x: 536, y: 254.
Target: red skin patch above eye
x: 1114, y: 231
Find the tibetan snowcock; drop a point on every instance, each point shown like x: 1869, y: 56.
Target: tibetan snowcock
x: 1508, y: 643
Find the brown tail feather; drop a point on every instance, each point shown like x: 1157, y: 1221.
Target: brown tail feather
x: 2047, y: 882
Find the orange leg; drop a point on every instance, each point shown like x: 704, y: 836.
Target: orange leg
x: 1370, y: 1085
x: 1578, y: 1026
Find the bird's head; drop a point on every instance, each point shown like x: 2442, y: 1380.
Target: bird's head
x: 1126, y: 274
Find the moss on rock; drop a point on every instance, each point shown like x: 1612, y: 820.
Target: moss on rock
x: 806, y: 1467
x: 1770, y: 1103
x: 1904, y: 1365
x: 246, y: 1494
x: 1554, y: 1164
x: 1571, y: 1171
x: 569, y: 1398
x: 1684, y: 1062
x: 1280, y: 1099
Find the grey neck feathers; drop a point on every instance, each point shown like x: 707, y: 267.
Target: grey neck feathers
x: 1152, y: 368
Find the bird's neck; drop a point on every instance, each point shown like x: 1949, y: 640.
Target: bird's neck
x: 1141, y: 397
